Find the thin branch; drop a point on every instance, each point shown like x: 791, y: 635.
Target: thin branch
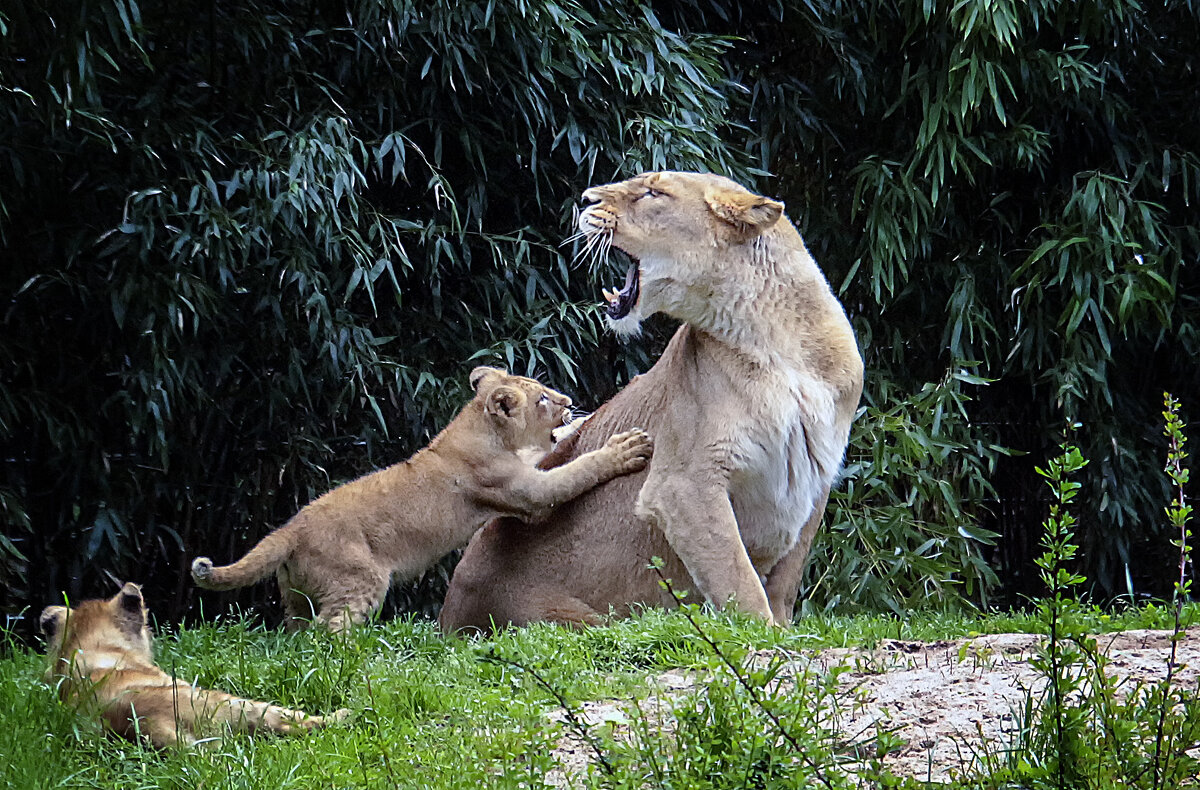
x: 742, y: 681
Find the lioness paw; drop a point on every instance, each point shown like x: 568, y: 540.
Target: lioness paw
x: 632, y: 449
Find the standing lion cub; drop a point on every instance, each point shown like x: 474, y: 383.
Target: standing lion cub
x: 100, y: 651
x: 341, y: 551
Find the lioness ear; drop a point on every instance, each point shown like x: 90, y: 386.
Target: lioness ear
x: 482, y: 372
x: 51, y: 621
x: 747, y: 212
x: 502, y: 401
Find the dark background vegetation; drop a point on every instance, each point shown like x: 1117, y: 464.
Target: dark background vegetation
x: 249, y: 250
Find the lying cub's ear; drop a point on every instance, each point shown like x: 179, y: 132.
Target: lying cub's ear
x: 482, y: 372
x: 131, y: 597
x: 131, y: 608
x: 52, y: 620
x: 502, y: 401
x: 748, y: 213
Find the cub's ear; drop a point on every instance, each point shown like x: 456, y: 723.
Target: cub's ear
x: 52, y: 620
x: 131, y: 609
x: 482, y: 372
x: 748, y: 213
x: 503, y: 401
x: 130, y: 597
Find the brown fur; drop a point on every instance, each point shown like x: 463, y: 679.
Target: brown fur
x: 341, y: 551
x: 750, y: 406
x: 100, y: 654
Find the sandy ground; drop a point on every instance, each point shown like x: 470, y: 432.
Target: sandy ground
x: 943, y: 699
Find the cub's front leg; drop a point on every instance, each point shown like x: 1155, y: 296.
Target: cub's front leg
x: 539, y: 490
x: 211, y: 709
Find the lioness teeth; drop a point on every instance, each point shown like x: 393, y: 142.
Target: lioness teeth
x: 621, y: 302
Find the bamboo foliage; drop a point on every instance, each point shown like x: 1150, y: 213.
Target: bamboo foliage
x: 251, y: 249
x: 1004, y: 188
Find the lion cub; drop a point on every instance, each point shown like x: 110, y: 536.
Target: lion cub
x: 337, y: 556
x: 100, y: 651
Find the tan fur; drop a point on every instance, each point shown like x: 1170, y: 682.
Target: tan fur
x: 750, y: 406
x: 99, y: 653
x: 335, y: 559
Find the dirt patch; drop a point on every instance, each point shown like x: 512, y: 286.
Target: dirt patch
x: 946, y: 700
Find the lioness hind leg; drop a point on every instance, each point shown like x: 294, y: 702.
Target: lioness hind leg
x: 783, y: 581
x: 564, y: 610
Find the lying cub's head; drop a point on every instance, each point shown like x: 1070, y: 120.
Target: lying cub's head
x: 91, y: 635
x: 524, y: 413
x: 689, y: 236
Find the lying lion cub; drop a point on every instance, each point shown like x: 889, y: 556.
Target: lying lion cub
x: 101, y: 652
x: 342, y: 549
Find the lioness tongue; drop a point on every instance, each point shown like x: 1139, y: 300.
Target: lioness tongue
x: 621, y: 302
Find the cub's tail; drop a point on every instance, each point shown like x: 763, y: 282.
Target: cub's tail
x: 271, y: 552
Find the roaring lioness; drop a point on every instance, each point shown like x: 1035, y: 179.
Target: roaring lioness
x: 100, y: 654
x: 340, y: 552
x: 750, y: 406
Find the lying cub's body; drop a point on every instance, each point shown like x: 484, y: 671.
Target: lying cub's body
x: 100, y: 654
x: 338, y: 555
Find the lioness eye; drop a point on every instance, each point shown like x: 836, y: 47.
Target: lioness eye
x: 650, y: 193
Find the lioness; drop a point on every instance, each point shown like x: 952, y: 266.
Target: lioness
x: 100, y: 654
x: 750, y: 407
x: 341, y: 550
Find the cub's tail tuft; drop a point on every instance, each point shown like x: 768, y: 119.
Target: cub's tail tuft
x: 271, y: 552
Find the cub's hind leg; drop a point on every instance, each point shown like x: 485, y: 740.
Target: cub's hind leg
x: 354, y: 604
x: 299, y: 610
x: 166, y: 733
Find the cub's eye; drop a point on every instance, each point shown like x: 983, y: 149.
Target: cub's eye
x: 544, y: 398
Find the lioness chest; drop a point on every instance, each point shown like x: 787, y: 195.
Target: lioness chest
x: 784, y: 456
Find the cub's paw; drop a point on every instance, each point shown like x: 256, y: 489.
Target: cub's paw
x: 317, y: 722
x: 631, y: 449
x: 339, y: 715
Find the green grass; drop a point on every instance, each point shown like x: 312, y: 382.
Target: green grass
x: 430, y: 711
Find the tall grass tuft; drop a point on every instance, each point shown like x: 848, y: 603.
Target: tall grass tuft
x: 1086, y: 729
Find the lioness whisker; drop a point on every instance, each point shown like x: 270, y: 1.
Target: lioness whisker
x: 592, y: 249
x: 605, y: 248
x: 583, y: 252
x: 576, y: 236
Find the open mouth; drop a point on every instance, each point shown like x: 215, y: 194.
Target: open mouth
x: 622, y: 301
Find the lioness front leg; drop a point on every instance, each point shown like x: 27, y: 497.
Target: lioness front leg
x: 541, y: 490
x: 699, y: 523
